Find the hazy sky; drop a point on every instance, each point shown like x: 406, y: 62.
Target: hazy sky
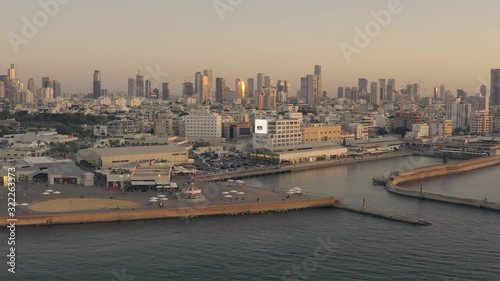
x: 439, y: 42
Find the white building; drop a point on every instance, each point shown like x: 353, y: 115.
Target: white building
x: 104, y: 101
x: 100, y: 130
x: 202, y: 123
x: 360, y: 131
x: 382, y: 121
x: 281, y: 133
x: 443, y: 128
x: 480, y: 122
x: 458, y: 112
x: 164, y: 125
x: 120, y: 101
x: 419, y: 130
x: 134, y: 102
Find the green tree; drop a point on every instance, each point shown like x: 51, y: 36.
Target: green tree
x: 401, y: 131
x: 382, y: 131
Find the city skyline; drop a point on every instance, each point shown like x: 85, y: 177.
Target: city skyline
x: 280, y: 47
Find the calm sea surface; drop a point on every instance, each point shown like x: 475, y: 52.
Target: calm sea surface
x: 462, y: 244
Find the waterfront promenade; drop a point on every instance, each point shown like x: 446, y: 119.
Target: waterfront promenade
x: 271, y: 170
x: 188, y: 212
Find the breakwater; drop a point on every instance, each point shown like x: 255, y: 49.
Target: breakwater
x: 442, y: 170
x: 116, y: 216
x: 383, y: 215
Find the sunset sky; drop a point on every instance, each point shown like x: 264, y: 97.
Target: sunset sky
x: 454, y: 43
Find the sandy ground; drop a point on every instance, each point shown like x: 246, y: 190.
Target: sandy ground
x: 81, y: 204
x: 96, y: 198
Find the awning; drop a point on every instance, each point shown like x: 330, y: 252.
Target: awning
x: 143, y: 183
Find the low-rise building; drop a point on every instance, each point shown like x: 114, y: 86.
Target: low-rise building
x: 319, y: 133
x: 480, y: 122
x: 119, y: 128
x: 112, y: 157
x: 309, y: 153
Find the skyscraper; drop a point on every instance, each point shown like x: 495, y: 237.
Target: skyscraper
x: 97, y: 84
x: 209, y: 74
x: 442, y: 93
x: 495, y: 87
x: 11, y: 72
x: 147, y: 88
x: 132, y: 87
x: 267, y: 81
x: 31, y: 85
x: 46, y: 82
x: 2, y: 90
x: 198, y: 85
x: 188, y: 89
x: 362, y: 85
x: 310, y: 89
x: 319, y: 83
x: 340, y: 93
x: 375, y: 93
x: 56, y: 85
x: 436, y: 93
x: 260, y: 81
x: 461, y: 94
x: 483, y: 90
x: 140, y: 86
x: 165, y: 91
x: 205, y: 89
x: 383, y: 89
x: 303, y: 89
x: 391, y: 87
x: 220, y: 89
x: 250, y: 88
x: 347, y: 92
x: 317, y: 70
x: 240, y: 88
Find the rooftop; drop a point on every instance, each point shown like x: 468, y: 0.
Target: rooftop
x: 110, y: 151
x: 308, y: 146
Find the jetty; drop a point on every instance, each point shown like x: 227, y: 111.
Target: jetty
x: 383, y: 215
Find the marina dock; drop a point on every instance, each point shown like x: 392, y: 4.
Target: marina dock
x: 383, y: 215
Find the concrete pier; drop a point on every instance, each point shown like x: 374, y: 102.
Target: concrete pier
x: 383, y: 215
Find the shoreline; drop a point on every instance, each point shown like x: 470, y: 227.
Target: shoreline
x: 175, y: 213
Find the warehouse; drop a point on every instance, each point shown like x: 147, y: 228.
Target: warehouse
x: 310, y: 153
x: 104, y: 158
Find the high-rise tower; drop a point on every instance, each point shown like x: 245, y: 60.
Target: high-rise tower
x: 97, y: 84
